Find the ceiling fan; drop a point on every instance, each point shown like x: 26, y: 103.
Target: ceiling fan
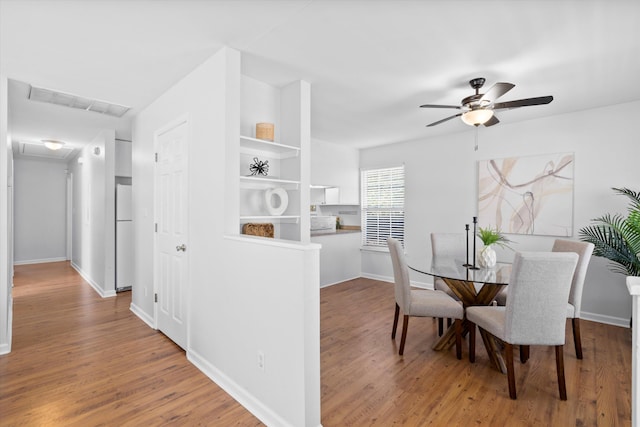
x: 478, y: 109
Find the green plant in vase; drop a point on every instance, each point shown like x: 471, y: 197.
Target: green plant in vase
x: 489, y: 237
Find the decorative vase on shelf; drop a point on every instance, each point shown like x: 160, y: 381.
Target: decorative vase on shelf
x: 487, y: 257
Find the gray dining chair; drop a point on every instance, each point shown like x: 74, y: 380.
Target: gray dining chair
x: 535, y: 312
x: 574, y: 304
x: 447, y: 245
x: 420, y: 302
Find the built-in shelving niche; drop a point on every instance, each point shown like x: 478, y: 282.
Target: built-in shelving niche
x: 288, y: 168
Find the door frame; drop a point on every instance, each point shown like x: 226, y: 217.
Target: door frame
x: 184, y: 118
x: 69, y: 215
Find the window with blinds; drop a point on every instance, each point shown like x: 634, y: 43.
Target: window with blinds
x: 382, y: 201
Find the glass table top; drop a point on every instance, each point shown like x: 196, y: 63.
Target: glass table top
x: 453, y: 268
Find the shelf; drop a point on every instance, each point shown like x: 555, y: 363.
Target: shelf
x: 252, y: 146
x: 271, y: 218
x: 261, y: 183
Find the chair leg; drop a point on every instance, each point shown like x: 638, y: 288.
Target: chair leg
x: 458, y: 326
x: 472, y: 342
x: 576, y: 337
x: 440, y: 326
x: 510, y: 372
x: 524, y: 353
x: 562, y: 387
x: 395, y: 322
x: 405, y: 325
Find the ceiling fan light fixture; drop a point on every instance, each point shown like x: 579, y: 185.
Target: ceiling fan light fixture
x: 52, y: 144
x: 477, y: 117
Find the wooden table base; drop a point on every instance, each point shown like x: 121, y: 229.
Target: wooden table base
x: 466, y: 291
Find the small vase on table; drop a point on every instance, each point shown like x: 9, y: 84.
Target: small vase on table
x: 487, y: 257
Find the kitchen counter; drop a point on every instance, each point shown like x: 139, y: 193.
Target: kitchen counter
x: 331, y: 233
x: 346, y: 229
x: 339, y: 255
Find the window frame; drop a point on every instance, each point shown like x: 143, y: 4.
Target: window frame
x: 382, y: 197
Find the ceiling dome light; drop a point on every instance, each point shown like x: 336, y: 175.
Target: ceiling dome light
x: 477, y: 117
x: 53, y: 145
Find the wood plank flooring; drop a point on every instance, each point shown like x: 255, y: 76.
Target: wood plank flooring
x: 365, y: 382
x: 80, y: 360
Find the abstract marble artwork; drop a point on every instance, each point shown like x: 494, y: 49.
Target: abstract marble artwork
x: 527, y: 195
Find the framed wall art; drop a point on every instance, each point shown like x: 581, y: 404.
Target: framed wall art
x: 527, y: 195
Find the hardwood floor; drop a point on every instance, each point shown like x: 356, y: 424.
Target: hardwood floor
x: 365, y: 382
x: 82, y: 360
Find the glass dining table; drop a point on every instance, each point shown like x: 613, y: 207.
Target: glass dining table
x: 473, y: 286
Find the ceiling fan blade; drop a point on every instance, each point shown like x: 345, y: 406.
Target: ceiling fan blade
x: 444, y: 120
x: 440, y: 106
x: 492, y: 121
x: 523, y: 102
x: 496, y: 91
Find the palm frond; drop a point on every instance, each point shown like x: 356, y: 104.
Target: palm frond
x: 634, y: 196
x: 618, y: 238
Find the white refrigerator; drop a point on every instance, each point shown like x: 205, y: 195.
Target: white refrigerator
x: 124, y: 238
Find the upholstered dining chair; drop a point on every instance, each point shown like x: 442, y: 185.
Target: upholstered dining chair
x: 419, y: 302
x: 584, y: 251
x: 447, y: 245
x: 535, y: 312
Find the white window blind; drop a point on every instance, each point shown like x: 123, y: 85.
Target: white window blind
x: 382, y: 205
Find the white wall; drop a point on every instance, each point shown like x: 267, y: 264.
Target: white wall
x: 244, y: 295
x: 441, y: 187
x: 122, y: 166
x: 93, y: 249
x: 6, y: 229
x: 338, y: 166
x: 40, y: 223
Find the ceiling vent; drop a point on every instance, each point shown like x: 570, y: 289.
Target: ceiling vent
x: 74, y: 101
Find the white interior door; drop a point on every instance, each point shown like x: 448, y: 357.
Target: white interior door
x: 171, y: 253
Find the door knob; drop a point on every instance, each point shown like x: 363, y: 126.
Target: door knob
x: 182, y: 248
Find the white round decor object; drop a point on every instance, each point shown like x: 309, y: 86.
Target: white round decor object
x: 276, y: 200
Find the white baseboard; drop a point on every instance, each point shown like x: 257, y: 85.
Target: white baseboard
x: 94, y: 285
x: 424, y: 285
x: 608, y: 320
x: 341, y: 281
x: 142, y: 315
x: 239, y: 393
x: 39, y: 261
x: 377, y: 277
x: 5, y: 349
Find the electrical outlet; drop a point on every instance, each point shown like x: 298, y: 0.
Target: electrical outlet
x: 261, y: 360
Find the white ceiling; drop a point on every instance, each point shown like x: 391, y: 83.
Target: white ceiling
x: 370, y: 63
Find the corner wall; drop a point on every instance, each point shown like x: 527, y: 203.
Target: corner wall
x: 441, y: 187
x: 243, y: 296
x: 6, y: 228
x: 93, y: 222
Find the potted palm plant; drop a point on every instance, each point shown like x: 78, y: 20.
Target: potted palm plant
x: 490, y: 237
x: 617, y: 237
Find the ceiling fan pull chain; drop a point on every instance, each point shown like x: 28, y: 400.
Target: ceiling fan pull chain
x: 476, y: 147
